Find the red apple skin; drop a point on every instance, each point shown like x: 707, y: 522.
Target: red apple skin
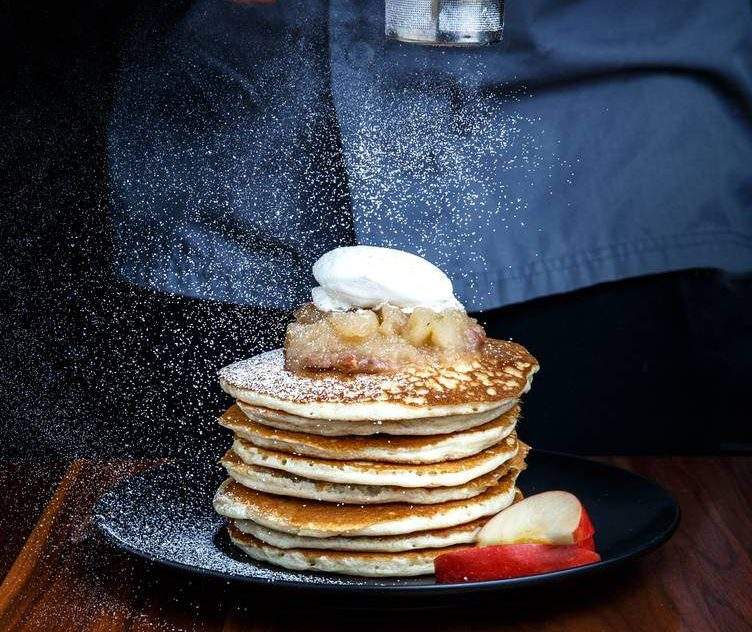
x: 588, y: 544
x: 505, y: 561
x: 584, y: 530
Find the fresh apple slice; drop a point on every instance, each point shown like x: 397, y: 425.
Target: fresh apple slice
x: 548, y: 518
x: 505, y: 561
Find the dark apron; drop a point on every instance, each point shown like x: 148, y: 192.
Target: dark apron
x: 600, y: 140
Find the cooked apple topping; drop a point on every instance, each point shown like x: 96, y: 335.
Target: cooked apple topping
x: 367, y: 341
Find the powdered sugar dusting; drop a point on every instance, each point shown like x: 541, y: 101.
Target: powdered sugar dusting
x: 166, y: 515
x: 266, y: 373
x: 501, y: 371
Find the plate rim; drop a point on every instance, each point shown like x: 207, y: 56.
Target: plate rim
x: 98, y: 519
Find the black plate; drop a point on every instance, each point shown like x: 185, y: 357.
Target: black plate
x: 165, y: 515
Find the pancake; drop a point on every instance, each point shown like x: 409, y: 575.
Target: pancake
x: 427, y: 449
x: 402, y: 427
x: 319, y: 519
x: 501, y: 372
x: 402, y: 564
x: 437, y: 538
x: 448, y: 473
x: 282, y: 483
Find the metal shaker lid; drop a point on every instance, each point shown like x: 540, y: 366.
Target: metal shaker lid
x: 445, y: 22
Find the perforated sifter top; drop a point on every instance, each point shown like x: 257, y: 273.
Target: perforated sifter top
x: 445, y: 22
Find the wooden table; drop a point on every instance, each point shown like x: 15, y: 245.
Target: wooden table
x: 62, y: 576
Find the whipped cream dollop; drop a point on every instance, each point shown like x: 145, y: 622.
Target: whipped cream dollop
x: 369, y: 277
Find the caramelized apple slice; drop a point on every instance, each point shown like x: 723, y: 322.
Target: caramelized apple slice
x: 508, y: 560
x: 308, y: 314
x: 418, y: 327
x: 448, y: 330
x: 354, y: 326
x: 393, y: 320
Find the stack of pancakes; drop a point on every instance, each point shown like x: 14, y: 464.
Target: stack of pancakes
x: 370, y: 475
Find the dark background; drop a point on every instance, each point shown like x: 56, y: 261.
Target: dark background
x: 90, y: 365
